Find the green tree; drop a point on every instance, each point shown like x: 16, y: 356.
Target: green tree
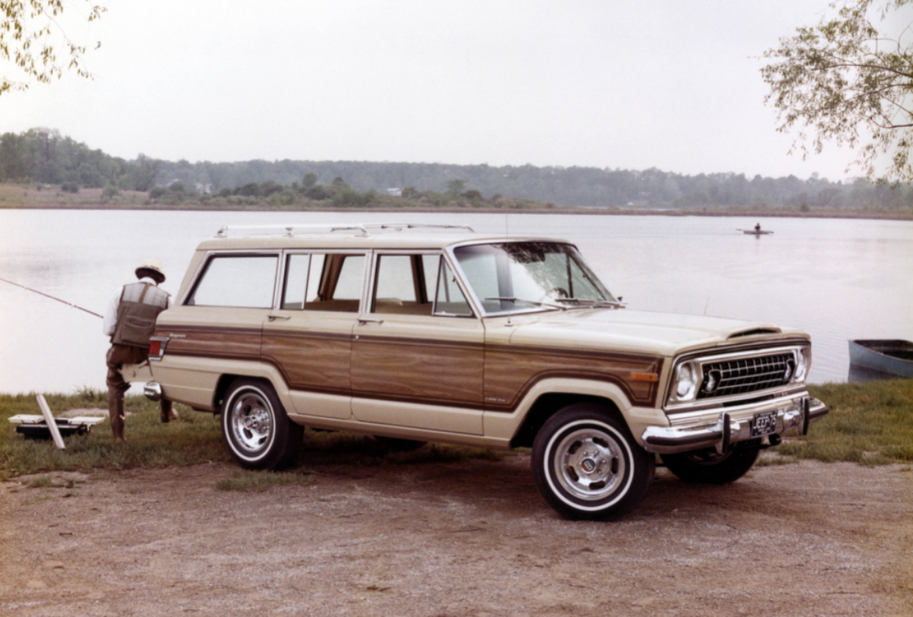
x: 849, y: 81
x: 309, y: 180
x: 455, y: 187
x: 31, y: 35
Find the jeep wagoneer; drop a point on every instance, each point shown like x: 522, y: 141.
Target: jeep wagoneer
x: 419, y: 334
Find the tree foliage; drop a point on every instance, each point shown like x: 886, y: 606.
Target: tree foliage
x: 45, y: 157
x: 31, y: 36
x: 849, y: 80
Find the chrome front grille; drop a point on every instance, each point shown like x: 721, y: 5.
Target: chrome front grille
x: 738, y: 376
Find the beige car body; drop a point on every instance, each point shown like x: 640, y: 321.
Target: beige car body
x: 475, y: 380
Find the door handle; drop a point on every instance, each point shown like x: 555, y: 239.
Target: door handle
x: 275, y: 317
x: 363, y: 320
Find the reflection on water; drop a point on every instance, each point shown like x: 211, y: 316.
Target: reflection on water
x: 836, y: 279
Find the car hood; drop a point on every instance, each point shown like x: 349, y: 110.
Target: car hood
x: 664, y: 334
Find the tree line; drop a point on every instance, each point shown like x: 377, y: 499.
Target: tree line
x: 43, y: 156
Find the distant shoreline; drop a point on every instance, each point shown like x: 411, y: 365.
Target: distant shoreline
x: 558, y: 210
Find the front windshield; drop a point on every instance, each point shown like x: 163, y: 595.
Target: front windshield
x: 523, y: 276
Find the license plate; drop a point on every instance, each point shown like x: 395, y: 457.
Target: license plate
x: 764, y: 423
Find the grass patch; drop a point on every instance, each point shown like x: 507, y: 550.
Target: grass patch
x: 43, y: 482
x: 258, y: 481
x: 194, y: 438
x: 869, y: 423
x: 770, y: 459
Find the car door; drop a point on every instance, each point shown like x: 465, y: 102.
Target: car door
x: 308, y: 336
x: 418, y: 350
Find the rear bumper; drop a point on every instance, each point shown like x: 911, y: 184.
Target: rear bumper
x: 726, y: 431
x: 153, y: 391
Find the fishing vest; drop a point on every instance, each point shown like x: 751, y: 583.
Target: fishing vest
x: 140, y: 304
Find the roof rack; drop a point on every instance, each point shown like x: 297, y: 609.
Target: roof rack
x: 364, y: 228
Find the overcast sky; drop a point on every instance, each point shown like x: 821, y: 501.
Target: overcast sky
x: 616, y: 84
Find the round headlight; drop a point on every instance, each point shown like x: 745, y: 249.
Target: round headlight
x: 803, y: 364
x: 685, y: 381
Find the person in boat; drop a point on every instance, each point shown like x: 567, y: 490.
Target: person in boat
x: 130, y: 321
x: 757, y: 227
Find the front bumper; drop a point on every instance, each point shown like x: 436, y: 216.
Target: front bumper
x: 797, y: 414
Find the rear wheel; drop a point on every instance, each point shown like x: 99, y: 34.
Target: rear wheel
x: 710, y: 467
x: 255, y: 427
x: 587, y: 465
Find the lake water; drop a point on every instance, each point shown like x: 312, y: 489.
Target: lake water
x: 837, y: 279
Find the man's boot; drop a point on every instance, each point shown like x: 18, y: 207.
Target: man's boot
x: 167, y: 413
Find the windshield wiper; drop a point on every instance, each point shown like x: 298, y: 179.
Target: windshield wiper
x: 592, y: 303
x: 532, y: 302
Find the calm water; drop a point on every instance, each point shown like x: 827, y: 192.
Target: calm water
x: 837, y: 279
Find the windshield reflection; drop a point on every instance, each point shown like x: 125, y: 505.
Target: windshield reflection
x: 527, y: 276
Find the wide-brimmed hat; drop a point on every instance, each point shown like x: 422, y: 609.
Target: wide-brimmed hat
x: 153, y: 269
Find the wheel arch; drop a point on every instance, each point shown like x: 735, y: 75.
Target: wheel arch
x: 226, y: 379
x: 547, y: 405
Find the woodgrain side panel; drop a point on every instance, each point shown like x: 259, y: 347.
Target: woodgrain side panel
x: 426, y: 371
x: 511, y: 370
x: 310, y: 361
x: 212, y: 341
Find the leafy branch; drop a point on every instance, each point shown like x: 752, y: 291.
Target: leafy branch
x: 30, y: 36
x: 848, y: 82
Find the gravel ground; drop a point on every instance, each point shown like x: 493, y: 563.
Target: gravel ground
x: 465, y: 538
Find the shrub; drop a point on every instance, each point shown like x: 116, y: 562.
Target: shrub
x: 317, y: 193
x: 269, y: 187
x: 156, y: 191
x: 350, y: 198
x: 69, y: 187
x: 110, y: 192
x: 251, y: 189
x: 282, y: 198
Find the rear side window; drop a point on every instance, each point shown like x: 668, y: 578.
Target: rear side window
x: 323, y: 282
x: 240, y: 281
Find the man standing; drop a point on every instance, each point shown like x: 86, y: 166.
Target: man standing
x: 130, y: 321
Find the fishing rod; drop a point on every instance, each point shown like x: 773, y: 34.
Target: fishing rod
x: 52, y: 297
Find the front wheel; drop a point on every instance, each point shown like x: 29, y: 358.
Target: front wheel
x: 710, y: 467
x: 255, y: 427
x: 587, y: 465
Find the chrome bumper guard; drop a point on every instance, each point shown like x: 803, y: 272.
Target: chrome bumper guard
x: 153, y: 391
x: 727, y: 431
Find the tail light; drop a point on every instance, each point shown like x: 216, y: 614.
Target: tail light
x: 157, y: 346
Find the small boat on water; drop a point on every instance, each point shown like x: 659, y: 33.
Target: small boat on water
x: 755, y: 232
x: 894, y: 356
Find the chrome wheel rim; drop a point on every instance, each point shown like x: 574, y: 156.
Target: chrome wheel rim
x: 251, y: 422
x: 589, y: 464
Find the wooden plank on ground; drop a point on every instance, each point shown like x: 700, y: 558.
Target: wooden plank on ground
x: 52, y: 424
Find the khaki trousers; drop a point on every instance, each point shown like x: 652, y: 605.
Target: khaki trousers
x: 117, y: 356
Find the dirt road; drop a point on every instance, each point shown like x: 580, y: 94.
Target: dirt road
x: 465, y: 538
